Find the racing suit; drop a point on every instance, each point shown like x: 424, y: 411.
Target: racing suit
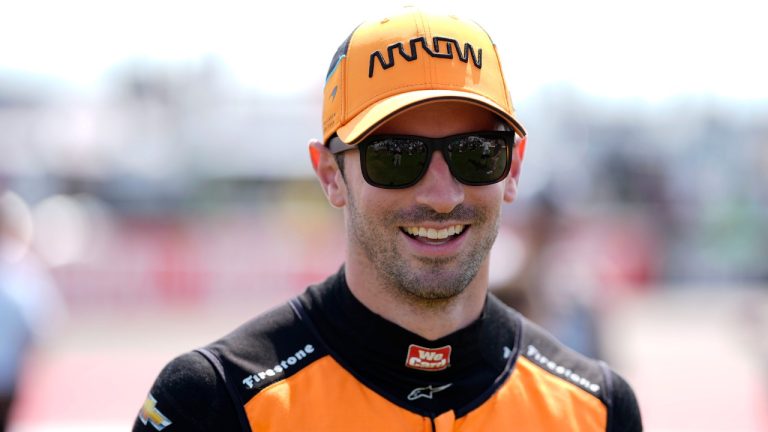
x: 324, y: 362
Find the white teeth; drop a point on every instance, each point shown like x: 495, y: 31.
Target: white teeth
x: 435, y: 234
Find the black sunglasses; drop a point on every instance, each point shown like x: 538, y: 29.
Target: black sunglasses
x: 400, y: 161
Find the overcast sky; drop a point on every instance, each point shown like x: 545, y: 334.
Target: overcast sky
x: 648, y: 50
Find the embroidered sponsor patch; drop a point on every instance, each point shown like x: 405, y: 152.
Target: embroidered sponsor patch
x: 250, y: 381
x: 150, y: 414
x: 428, y: 359
x: 537, y: 357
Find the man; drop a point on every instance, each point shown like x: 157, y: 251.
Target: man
x: 420, y: 149
x: 30, y: 304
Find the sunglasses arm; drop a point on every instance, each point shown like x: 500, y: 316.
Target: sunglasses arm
x: 336, y: 145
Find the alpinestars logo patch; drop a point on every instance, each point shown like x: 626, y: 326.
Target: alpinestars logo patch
x: 426, y: 392
x: 428, y: 359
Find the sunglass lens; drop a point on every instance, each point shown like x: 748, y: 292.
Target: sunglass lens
x: 478, y: 159
x: 395, y: 162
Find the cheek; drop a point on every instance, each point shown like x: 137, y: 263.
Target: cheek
x: 487, y: 196
x: 490, y: 202
x: 378, y: 207
x: 378, y: 203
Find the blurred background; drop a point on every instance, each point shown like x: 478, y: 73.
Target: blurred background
x: 156, y: 191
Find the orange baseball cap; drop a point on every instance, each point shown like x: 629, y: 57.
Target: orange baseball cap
x: 389, y: 65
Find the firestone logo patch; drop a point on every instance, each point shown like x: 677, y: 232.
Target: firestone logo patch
x: 428, y: 359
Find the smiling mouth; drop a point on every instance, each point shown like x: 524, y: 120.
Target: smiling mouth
x: 433, y: 235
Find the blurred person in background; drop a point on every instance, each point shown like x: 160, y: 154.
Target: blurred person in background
x: 420, y: 149
x: 29, y: 300
x: 559, y: 304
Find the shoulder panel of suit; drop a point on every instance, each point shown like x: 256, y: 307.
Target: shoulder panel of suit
x: 280, y: 369
x: 269, y: 348
x: 540, y: 348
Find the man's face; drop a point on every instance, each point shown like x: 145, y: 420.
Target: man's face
x: 392, y: 231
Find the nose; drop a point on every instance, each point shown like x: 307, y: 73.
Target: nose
x: 438, y: 188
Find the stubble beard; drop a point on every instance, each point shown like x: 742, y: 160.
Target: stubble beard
x: 429, y: 280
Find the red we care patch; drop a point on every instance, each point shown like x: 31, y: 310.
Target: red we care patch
x: 428, y: 359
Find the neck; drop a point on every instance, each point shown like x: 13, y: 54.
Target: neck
x: 430, y: 319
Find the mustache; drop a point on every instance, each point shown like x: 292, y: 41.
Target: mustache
x: 419, y: 214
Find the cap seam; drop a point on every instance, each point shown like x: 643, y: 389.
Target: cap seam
x: 507, y: 97
x: 343, y: 82
x: 429, y: 64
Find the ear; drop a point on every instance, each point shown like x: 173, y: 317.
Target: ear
x: 328, y: 173
x: 510, y: 184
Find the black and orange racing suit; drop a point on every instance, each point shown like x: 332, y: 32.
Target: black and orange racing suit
x: 324, y: 362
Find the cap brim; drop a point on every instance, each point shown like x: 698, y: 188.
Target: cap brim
x: 365, y: 122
